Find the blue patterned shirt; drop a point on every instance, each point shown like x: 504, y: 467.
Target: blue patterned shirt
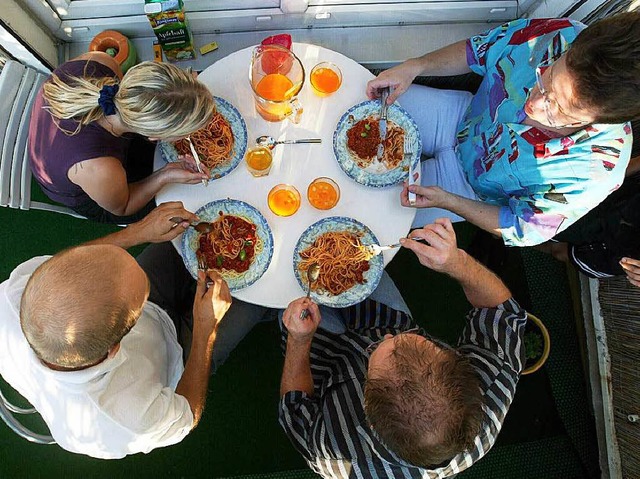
x: 543, y: 184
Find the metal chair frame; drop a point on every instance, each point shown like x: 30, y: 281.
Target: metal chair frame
x: 19, y: 86
x: 7, y: 414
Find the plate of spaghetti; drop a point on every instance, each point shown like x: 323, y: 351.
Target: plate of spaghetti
x: 220, y: 145
x: 356, y: 140
x: 347, y: 274
x: 239, y: 247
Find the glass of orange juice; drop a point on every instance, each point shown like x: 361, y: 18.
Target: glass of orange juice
x: 323, y: 193
x: 258, y: 160
x: 325, y: 78
x: 284, y: 200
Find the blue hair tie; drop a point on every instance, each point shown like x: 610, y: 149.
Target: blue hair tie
x: 106, y: 99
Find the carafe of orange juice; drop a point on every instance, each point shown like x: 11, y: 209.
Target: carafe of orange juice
x: 276, y: 76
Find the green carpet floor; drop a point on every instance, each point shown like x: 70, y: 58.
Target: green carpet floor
x: 548, y: 432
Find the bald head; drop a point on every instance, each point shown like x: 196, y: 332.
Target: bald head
x: 80, y: 303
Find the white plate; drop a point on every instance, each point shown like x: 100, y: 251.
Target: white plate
x: 376, y: 175
x: 356, y: 293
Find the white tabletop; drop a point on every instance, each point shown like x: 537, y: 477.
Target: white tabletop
x: 378, y: 208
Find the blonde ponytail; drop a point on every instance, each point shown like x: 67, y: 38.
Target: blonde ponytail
x: 75, y: 99
x: 156, y: 100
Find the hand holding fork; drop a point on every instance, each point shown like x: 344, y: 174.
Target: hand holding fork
x: 375, y: 249
x: 203, y: 266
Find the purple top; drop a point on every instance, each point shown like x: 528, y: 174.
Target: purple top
x: 53, y: 152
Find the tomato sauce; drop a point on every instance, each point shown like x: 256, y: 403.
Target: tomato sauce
x: 363, y: 138
x: 239, y: 228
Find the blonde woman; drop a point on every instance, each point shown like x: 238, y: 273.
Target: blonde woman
x: 92, y: 129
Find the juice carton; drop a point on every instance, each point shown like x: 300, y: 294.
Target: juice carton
x: 170, y: 26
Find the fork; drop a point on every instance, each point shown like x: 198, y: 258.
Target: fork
x: 376, y: 249
x: 407, y: 147
x: 408, y: 158
x: 196, y: 158
x: 202, y: 266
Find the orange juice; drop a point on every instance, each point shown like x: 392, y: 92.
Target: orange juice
x: 275, y: 87
x: 325, y: 78
x: 284, y: 200
x: 258, y: 160
x: 323, y: 193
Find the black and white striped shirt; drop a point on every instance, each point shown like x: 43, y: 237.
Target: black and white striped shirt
x: 330, y: 429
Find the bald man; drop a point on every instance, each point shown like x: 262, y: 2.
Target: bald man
x: 88, y: 337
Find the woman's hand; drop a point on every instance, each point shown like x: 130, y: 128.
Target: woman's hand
x: 184, y: 171
x: 426, y: 196
x: 190, y: 164
x: 397, y: 79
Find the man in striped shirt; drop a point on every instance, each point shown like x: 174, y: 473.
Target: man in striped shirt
x: 385, y: 401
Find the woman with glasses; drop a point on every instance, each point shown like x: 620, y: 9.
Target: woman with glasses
x: 546, y: 137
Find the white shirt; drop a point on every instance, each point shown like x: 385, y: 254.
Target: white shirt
x: 124, y: 405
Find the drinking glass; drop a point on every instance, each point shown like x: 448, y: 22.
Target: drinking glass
x: 323, y: 193
x: 258, y: 160
x: 284, y: 200
x: 325, y: 78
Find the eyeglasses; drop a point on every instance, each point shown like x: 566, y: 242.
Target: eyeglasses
x: 551, y: 102
x: 420, y: 332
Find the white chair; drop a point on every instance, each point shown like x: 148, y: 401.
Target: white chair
x: 18, y: 88
x: 7, y: 414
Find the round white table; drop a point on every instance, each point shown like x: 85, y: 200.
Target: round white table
x: 378, y: 208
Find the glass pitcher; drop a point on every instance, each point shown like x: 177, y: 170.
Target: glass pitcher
x: 276, y: 76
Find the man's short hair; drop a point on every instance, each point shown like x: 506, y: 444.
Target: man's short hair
x: 604, y: 62
x: 71, y: 311
x: 428, y: 406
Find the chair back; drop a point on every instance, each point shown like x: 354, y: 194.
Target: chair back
x: 19, y: 86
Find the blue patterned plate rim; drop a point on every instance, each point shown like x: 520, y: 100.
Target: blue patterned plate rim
x: 244, y: 210
x: 368, y: 176
x: 239, y: 129
x: 357, y: 293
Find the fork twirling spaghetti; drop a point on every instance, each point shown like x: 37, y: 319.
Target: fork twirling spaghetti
x: 342, y: 261
x: 214, y: 142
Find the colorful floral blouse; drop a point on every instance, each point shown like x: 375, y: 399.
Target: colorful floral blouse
x: 542, y: 184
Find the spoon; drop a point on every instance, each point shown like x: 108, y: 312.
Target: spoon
x: 202, y: 227
x: 270, y: 142
x: 312, y: 276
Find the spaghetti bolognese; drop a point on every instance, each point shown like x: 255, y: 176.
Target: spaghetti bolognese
x: 214, y: 142
x: 231, y: 245
x: 342, y: 261
x: 363, y: 139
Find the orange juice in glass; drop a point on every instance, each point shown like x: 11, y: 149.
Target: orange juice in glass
x: 258, y: 160
x: 323, y: 193
x: 284, y: 200
x: 325, y: 78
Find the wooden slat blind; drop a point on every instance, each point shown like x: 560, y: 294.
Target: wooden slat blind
x: 620, y: 304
